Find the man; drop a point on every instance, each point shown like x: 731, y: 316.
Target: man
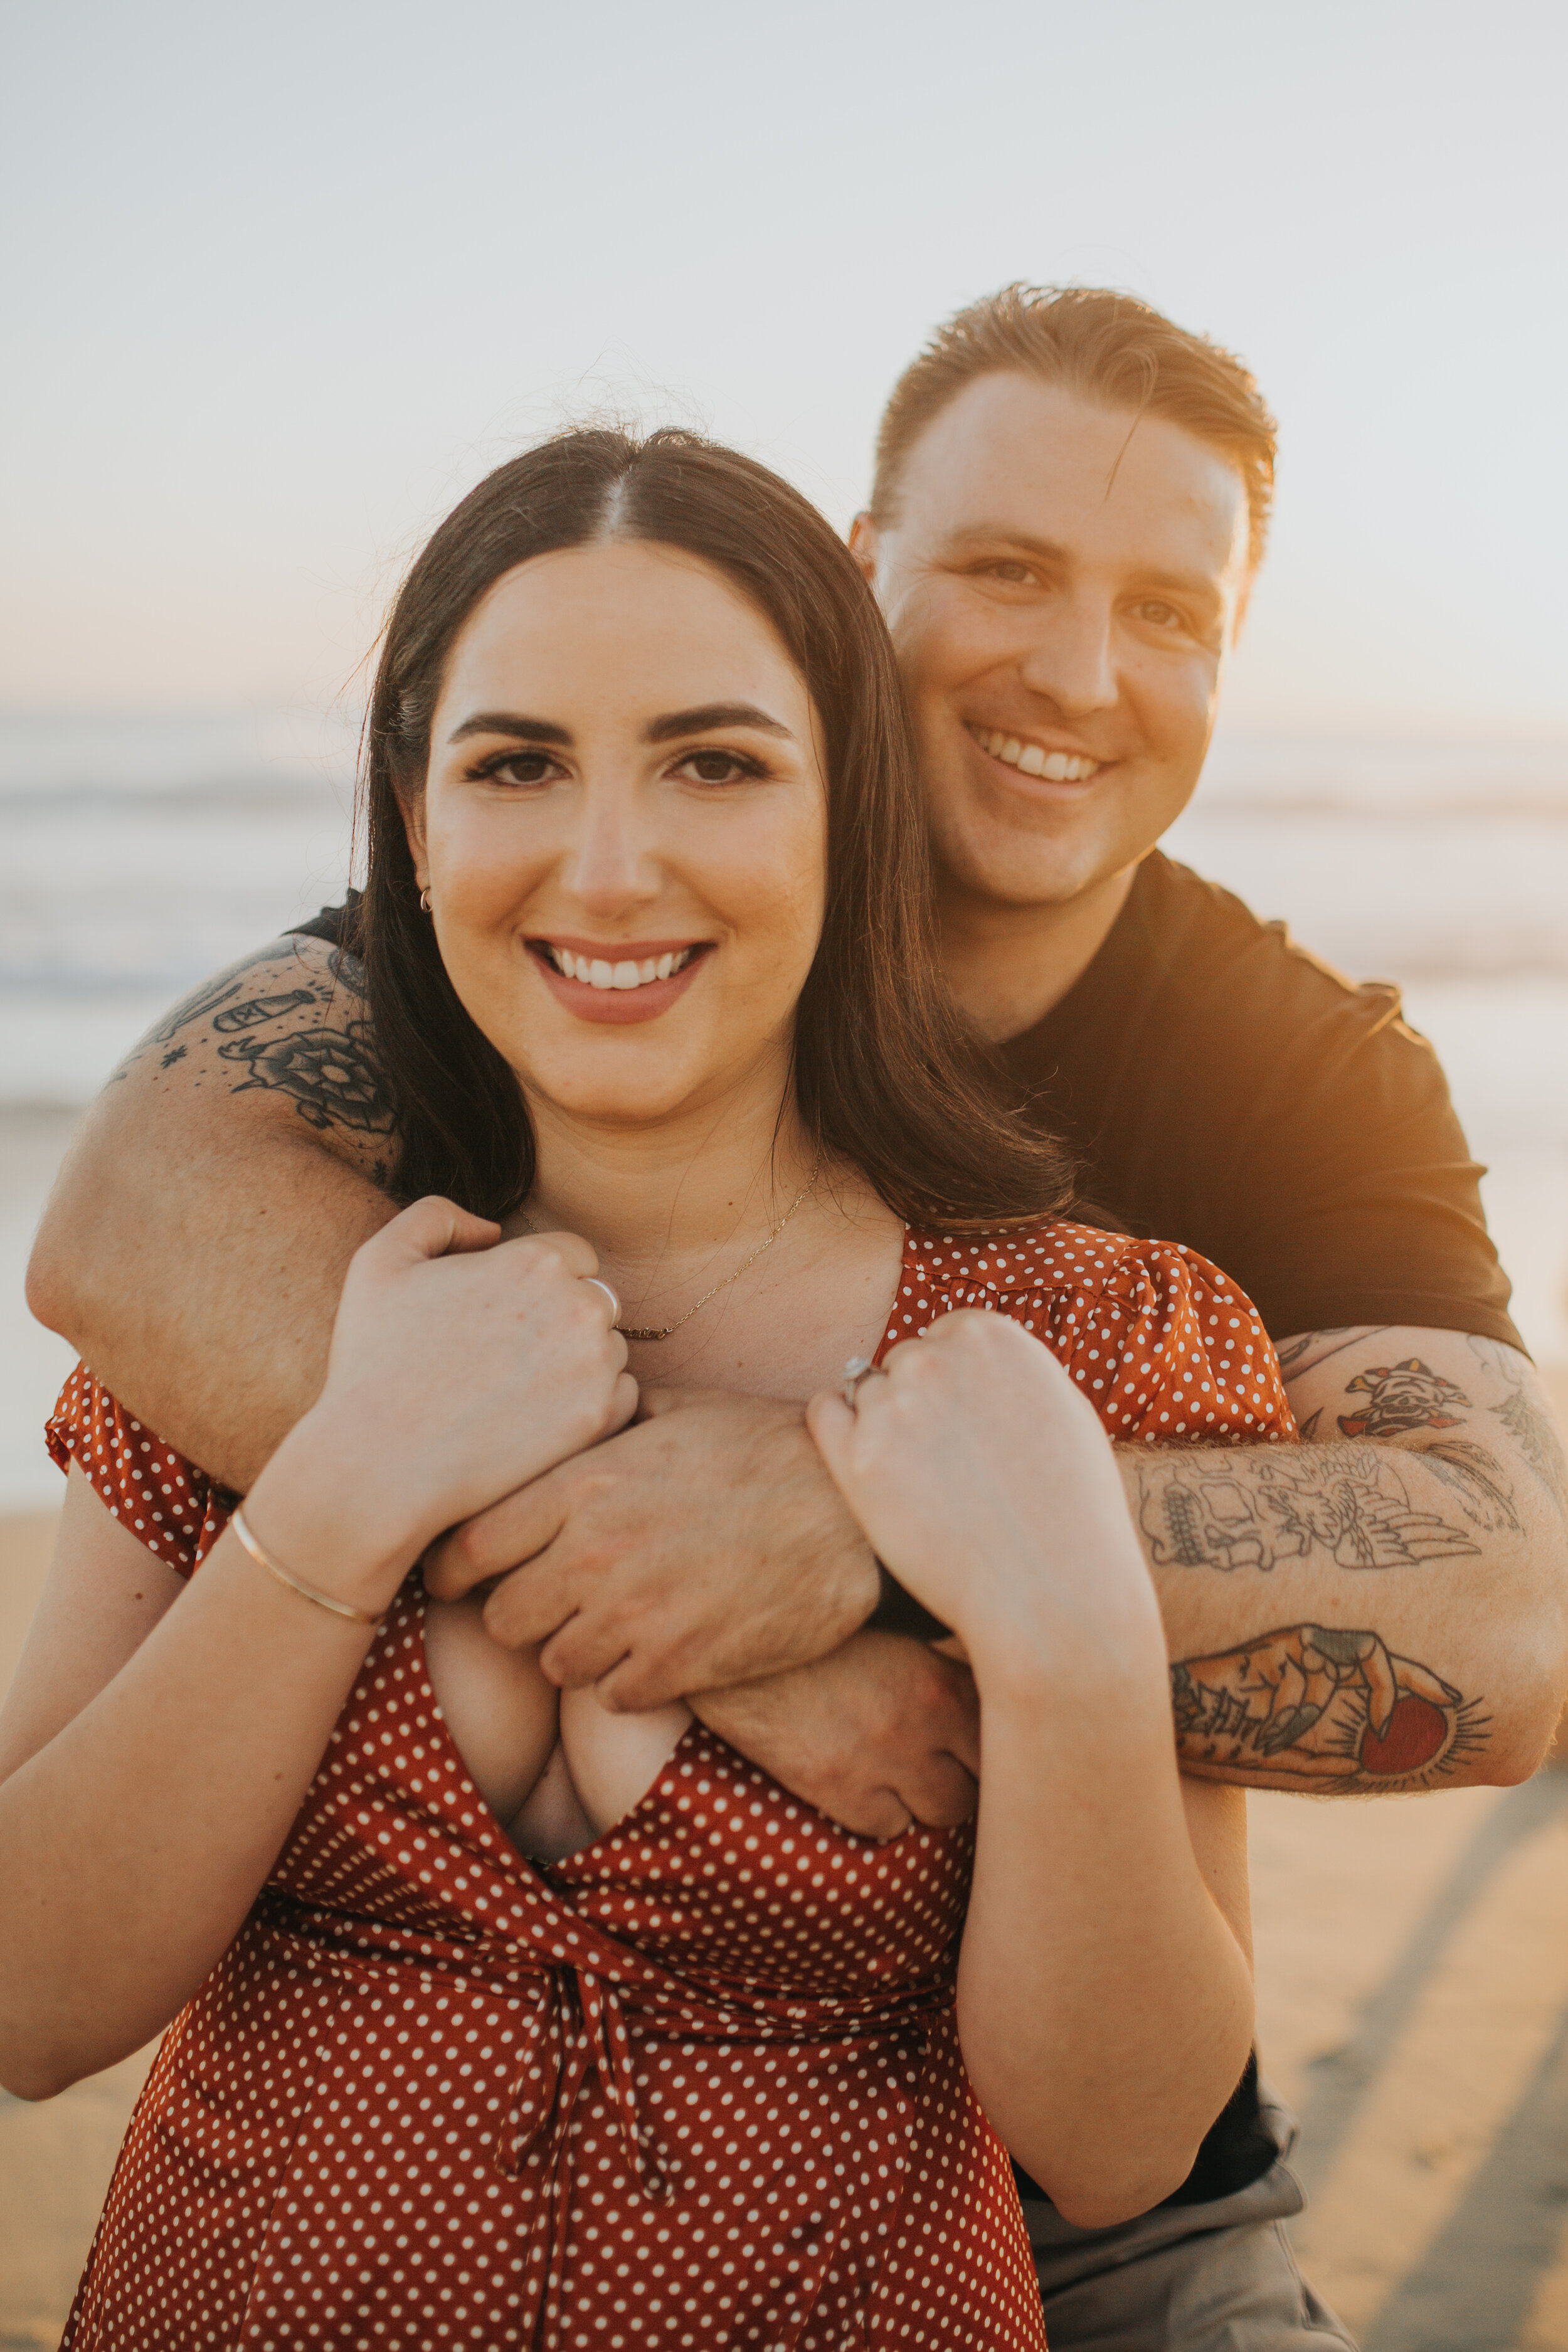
x: 1070, y: 503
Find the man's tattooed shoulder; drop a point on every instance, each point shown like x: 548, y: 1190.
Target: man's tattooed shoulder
x: 332, y: 1075
x: 291, y: 1018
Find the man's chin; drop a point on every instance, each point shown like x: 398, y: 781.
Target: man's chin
x: 1008, y: 869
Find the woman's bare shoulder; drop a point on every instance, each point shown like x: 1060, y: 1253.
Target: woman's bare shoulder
x: 104, y: 1593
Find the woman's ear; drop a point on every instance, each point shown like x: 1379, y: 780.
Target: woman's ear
x: 412, y: 811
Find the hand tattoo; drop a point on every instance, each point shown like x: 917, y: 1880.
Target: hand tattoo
x: 1346, y: 1501
x: 1401, y: 1397
x: 1313, y: 1707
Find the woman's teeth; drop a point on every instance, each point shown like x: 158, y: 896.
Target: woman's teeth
x: 598, y: 971
x: 1057, y: 767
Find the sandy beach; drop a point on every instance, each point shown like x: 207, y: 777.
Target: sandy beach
x: 1413, y: 1998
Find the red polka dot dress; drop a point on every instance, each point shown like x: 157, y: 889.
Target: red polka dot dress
x: 697, y: 2086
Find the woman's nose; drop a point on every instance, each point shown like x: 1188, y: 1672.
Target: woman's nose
x: 612, y: 864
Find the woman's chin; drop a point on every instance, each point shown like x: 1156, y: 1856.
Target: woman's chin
x: 634, y: 1095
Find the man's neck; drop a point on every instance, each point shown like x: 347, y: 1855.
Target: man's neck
x: 1009, y: 965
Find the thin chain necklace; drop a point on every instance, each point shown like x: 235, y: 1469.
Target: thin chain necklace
x: 630, y: 1332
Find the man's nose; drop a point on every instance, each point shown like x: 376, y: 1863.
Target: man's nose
x: 1071, y: 661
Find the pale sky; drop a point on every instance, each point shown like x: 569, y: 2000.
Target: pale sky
x: 280, y: 281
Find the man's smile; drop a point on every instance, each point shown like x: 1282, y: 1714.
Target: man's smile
x: 1032, y: 759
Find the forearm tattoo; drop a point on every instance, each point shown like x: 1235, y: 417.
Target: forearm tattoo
x: 1351, y: 1501
x: 299, y: 1034
x: 1344, y: 1504
x: 1318, y: 1708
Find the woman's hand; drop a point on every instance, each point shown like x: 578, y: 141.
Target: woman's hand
x: 461, y: 1366
x: 982, y: 1477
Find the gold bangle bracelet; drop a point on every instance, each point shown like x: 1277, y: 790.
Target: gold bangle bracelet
x: 306, y: 1591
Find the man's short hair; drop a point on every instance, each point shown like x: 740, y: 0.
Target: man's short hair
x: 1106, y: 347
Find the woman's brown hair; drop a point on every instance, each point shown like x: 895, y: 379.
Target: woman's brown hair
x: 885, y: 1075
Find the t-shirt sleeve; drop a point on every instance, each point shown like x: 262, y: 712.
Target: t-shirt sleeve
x: 169, y: 1504
x: 1225, y: 1088
x: 336, y: 925
x: 1174, y: 1352
x: 1364, y: 1201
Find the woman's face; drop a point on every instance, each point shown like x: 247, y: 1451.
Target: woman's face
x: 623, y: 832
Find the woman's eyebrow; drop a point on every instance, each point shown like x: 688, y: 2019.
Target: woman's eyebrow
x: 512, y: 722
x: 710, y: 715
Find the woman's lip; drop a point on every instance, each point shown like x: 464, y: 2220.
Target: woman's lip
x: 617, y: 1006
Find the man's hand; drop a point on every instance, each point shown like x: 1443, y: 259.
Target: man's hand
x: 883, y: 1733
x: 704, y: 1547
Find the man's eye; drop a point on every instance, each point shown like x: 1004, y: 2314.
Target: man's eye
x: 1017, y: 575
x: 718, y: 767
x: 1163, y: 616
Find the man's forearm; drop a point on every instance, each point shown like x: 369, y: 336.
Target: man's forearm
x: 196, y: 1240
x: 1383, y: 1605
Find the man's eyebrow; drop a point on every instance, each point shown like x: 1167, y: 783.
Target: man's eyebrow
x: 512, y: 722
x: 1002, y: 534
x: 708, y: 715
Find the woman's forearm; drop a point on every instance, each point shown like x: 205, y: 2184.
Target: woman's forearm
x: 133, y: 1843
x: 1104, y: 2002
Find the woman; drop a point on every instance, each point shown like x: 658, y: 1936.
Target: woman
x: 503, y: 2019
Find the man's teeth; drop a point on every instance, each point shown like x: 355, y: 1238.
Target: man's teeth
x: 1057, y: 767
x: 598, y: 971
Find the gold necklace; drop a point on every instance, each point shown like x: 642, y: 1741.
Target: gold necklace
x: 631, y: 1331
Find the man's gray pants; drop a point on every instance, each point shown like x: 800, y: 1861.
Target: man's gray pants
x: 1219, y: 2277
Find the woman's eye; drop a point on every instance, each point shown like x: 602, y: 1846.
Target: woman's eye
x: 1163, y: 616
x: 518, y: 768
x: 718, y: 767
x: 1016, y: 576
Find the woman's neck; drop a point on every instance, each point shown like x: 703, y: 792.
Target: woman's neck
x: 654, y: 1201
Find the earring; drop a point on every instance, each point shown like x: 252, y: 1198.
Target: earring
x: 424, y: 902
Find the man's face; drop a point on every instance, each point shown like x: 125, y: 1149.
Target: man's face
x: 1063, y: 583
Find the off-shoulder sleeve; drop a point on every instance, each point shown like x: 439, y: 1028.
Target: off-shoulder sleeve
x: 173, y: 1507
x: 1170, y: 1349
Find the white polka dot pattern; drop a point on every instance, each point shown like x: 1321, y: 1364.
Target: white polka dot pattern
x: 697, y: 2086
x: 1164, y: 1345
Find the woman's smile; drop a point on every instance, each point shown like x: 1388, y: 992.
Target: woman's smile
x: 618, y: 980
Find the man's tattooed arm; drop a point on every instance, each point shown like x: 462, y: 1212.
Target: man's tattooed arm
x: 1431, y: 1466
x: 290, y: 1020
x: 1324, y: 1709
x: 196, y: 1240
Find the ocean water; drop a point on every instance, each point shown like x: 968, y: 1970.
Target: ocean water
x: 140, y: 852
